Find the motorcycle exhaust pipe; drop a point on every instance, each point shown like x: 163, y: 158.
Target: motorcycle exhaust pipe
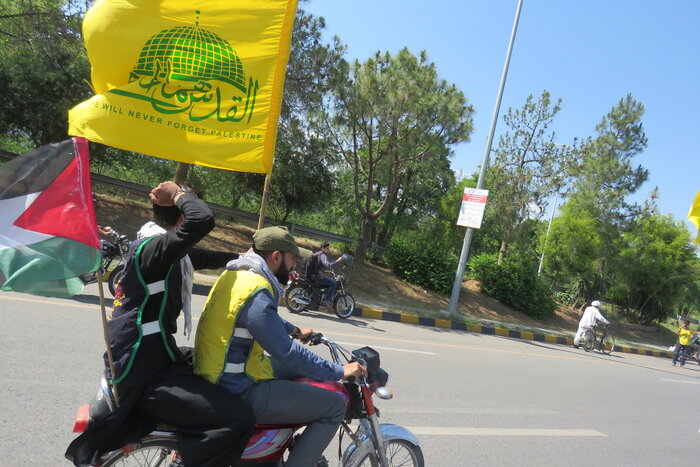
x: 301, y: 300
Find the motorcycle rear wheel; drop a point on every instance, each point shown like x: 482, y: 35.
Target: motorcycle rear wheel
x: 150, y: 451
x: 292, y: 304
x: 344, y: 305
x: 399, y: 453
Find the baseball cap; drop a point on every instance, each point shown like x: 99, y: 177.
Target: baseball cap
x: 275, y: 239
x: 595, y: 303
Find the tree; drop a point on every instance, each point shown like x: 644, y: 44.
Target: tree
x: 655, y: 267
x: 303, y: 176
x: 597, y: 208
x: 43, y: 67
x: 418, y: 200
x: 607, y: 176
x: 386, y: 114
x: 571, y: 253
x: 528, y: 166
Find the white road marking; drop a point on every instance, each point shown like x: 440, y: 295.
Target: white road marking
x: 463, y: 431
x: 680, y: 381
x: 468, y: 410
x: 353, y: 344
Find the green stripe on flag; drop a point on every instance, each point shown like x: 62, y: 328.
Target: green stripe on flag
x: 48, y: 268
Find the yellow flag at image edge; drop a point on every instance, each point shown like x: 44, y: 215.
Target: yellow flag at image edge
x: 694, y: 215
x: 196, y: 81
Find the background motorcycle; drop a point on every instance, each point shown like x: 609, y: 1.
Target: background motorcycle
x: 111, y: 251
x: 303, y: 294
x: 371, y: 445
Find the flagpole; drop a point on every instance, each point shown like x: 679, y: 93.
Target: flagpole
x: 105, y: 330
x: 263, y: 204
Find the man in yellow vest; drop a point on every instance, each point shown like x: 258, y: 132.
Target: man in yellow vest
x: 240, y: 324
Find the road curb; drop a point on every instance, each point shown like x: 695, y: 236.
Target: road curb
x: 376, y: 313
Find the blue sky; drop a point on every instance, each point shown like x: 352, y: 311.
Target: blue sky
x: 590, y: 53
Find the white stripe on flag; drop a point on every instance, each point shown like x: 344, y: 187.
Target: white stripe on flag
x: 12, y: 236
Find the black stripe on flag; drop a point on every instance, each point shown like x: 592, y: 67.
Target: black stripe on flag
x: 35, y: 170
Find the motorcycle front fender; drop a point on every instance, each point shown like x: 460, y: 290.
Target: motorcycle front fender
x: 357, y: 451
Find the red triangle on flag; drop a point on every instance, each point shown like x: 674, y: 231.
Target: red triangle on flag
x: 64, y: 208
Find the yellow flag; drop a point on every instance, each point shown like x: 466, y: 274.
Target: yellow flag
x: 197, y: 81
x: 694, y: 215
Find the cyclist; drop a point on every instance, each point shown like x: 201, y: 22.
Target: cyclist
x: 589, y: 319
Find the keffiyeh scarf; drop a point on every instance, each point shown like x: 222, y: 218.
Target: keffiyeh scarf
x: 251, y: 261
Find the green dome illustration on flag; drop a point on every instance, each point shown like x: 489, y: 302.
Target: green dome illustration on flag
x: 190, y: 54
x: 190, y: 70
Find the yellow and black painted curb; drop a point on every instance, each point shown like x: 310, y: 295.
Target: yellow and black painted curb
x: 374, y: 313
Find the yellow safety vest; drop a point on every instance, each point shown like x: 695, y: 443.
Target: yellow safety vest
x: 217, y: 328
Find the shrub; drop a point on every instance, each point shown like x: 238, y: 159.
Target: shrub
x: 422, y: 263
x: 514, y: 283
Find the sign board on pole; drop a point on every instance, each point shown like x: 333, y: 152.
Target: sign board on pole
x: 471, y: 213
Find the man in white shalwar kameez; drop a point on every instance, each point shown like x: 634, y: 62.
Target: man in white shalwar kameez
x: 590, y: 317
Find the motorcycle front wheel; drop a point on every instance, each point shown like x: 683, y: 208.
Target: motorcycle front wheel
x: 150, y: 451
x: 290, y: 298
x: 113, y: 279
x: 399, y: 453
x: 344, y: 305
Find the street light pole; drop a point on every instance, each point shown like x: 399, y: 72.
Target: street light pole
x: 551, y: 217
x: 457, y: 286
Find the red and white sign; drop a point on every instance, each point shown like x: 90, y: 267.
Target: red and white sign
x: 471, y: 213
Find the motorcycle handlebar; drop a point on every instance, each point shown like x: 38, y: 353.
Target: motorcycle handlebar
x: 316, y: 338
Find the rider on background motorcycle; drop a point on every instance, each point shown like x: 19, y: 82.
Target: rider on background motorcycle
x: 151, y: 375
x: 240, y: 322
x: 318, y: 264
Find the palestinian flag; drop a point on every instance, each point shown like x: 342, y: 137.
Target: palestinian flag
x: 48, y: 231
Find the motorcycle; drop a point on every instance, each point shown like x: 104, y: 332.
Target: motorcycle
x: 304, y: 294
x: 111, y: 251
x: 371, y: 443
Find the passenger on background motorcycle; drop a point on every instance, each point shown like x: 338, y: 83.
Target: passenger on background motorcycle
x: 240, y: 323
x: 318, y: 263
x: 151, y: 375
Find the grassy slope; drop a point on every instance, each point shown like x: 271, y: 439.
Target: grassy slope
x: 373, y: 284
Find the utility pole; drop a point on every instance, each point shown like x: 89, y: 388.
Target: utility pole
x: 551, y: 217
x: 457, y: 287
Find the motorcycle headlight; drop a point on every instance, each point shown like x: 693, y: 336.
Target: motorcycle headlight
x: 383, y: 392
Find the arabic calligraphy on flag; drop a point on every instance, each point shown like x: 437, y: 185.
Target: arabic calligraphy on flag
x: 196, y: 81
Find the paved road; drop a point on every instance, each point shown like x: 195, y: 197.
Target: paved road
x: 472, y: 399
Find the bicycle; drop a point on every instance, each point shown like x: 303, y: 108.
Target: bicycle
x: 603, y: 342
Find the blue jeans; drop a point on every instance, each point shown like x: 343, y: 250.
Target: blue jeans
x: 680, y: 348
x: 330, y: 291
